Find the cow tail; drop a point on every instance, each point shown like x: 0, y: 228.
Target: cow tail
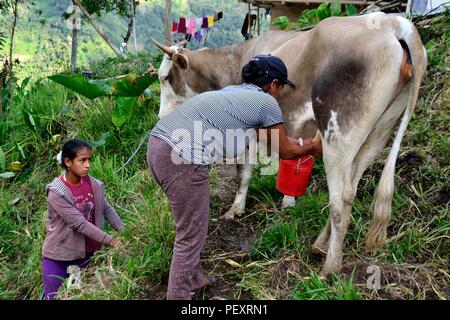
x: 377, y: 232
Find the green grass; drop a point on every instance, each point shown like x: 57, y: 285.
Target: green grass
x: 315, y: 288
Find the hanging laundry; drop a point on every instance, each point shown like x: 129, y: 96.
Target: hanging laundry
x: 198, y: 36
x: 219, y: 15
x: 188, y: 37
x: 198, y: 23
x: 205, y: 22
x: 182, y: 25
x: 244, y: 30
x: 210, y: 21
x: 174, y: 27
x: 191, y: 26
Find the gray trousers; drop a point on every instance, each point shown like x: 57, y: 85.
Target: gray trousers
x: 187, y: 188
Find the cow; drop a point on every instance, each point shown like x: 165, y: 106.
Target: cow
x: 356, y: 78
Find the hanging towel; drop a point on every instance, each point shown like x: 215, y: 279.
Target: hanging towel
x: 205, y: 22
x: 198, y: 23
x: 198, y: 36
x: 210, y: 21
x: 182, y: 25
x: 245, y: 25
x: 174, y: 27
x: 191, y: 26
x: 220, y: 15
x: 244, y: 29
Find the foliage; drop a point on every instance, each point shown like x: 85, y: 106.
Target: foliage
x: 126, y: 89
x: 310, y: 17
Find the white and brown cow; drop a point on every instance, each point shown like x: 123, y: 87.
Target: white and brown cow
x: 355, y: 77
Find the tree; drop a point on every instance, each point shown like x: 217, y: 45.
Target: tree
x: 124, y: 8
x: 96, y: 7
x: 75, y: 25
x: 131, y: 25
x: 6, y: 74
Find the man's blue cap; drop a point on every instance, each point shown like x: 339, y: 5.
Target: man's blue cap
x: 271, y: 67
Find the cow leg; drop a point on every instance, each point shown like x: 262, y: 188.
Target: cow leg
x: 244, y: 174
x: 288, y: 201
x: 320, y: 246
x: 342, y: 194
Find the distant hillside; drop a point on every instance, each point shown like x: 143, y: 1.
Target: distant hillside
x: 43, y: 41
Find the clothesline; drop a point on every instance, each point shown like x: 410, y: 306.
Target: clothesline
x: 195, y: 27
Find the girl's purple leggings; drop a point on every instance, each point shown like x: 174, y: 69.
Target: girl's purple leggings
x: 54, y: 271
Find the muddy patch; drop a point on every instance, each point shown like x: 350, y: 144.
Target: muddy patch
x: 397, y: 281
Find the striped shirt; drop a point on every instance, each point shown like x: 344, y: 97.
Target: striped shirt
x: 218, y: 124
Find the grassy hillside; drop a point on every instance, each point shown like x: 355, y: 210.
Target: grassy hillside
x: 263, y: 255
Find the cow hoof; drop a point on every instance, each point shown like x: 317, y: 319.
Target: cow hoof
x: 227, y: 216
x: 326, y: 270
x: 231, y: 214
x: 288, y: 201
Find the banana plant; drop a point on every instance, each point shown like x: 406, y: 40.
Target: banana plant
x: 126, y: 89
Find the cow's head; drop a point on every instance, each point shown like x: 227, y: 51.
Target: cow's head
x: 174, y: 86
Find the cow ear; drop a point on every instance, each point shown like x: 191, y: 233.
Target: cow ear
x: 180, y: 60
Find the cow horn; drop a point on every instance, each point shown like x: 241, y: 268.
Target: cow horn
x: 164, y: 48
x: 182, y: 43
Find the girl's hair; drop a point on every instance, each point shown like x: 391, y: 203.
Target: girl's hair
x: 251, y: 73
x: 71, y: 148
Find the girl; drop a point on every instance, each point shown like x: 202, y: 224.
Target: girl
x: 76, y: 210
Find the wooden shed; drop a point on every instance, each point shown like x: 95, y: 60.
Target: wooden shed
x: 293, y: 8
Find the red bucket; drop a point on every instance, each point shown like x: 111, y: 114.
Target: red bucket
x: 293, y: 176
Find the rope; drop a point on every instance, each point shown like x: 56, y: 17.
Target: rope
x: 135, y: 152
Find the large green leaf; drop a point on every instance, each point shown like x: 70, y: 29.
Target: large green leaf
x: 132, y: 85
x: 89, y: 88
x: 101, y: 141
x: 122, y: 110
x: 32, y: 122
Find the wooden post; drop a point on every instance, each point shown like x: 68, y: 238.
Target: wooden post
x: 249, y: 21
x: 73, y: 64
x: 259, y: 22
x: 168, y: 28
x: 134, y: 25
